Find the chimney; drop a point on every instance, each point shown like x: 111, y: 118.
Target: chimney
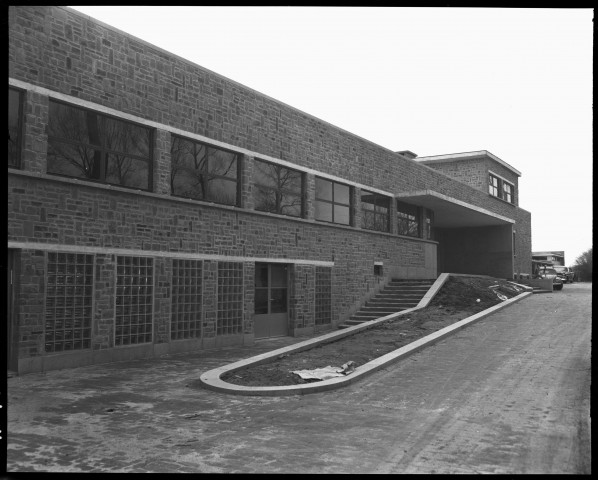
x: 408, y: 154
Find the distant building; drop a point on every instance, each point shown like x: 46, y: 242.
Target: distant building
x: 556, y: 257
x: 157, y: 207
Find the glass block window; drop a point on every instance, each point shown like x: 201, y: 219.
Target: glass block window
x: 204, y: 172
x: 69, y: 298
x: 230, y: 298
x: 15, y: 119
x: 134, y: 297
x: 375, y: 211
x: 407, y: 219
x: 87, y: 144
x: 277, y: 189
x: 323, y: 295
x: 333, y: 202
x: 186, y: 311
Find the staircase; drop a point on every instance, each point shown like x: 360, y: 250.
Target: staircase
x: 397, y: 295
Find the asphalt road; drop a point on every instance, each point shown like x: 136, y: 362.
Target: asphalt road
x: 510, y: 395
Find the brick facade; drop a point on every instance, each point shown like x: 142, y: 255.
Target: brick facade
x: 58, y: 54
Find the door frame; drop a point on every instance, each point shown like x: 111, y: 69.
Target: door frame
x: 272, y: 317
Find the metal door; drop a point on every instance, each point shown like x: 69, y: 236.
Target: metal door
x: 271, y: 300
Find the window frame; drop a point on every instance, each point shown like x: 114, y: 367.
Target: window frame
x: 408, y: 218
x: 19, y: 126
x: 496, y: 188
x: 103, y: 149
x: 375, y: 211
x: 333, y: 202
x: 278, y: 190
x: 209, y: 147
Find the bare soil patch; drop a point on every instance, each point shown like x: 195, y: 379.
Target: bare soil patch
x: 456, y: 300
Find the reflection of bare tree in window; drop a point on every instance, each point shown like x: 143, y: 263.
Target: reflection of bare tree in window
x: 89, y: 145
x: 122, y: 137
x: 279, y: 189
x: 73, y: 126
x: 375, y: 212
x: 203, y: 172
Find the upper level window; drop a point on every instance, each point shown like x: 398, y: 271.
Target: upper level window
x: 375, y: 211
x: 507, y: 192
x: 493, y: 185
x: 203, y: 172
x: 333, y: 202
x: 277, y: 189
x: 87, y: 144
x: 408, y: 222
x: 15, y: 115
x: 500, y: 188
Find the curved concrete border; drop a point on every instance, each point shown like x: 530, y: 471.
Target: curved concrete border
x: 211, y: 379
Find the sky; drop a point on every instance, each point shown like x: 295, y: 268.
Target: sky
x: 514, y: 82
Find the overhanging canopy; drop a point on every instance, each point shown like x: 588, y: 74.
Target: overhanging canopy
x: 452, y: 213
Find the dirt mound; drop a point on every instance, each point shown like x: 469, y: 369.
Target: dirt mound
x: 459, y: 298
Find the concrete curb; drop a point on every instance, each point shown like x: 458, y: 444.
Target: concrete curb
x: 211, y: 379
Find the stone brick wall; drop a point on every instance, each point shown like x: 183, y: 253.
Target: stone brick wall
x: 60, y: 50
x: 31, y: 303
x: 84, y: 59
x: 473, y: 172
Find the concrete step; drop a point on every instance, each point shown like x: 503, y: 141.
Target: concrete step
x: 382, y: 308
x: 400, y: 305
x: 406, y: 288
x: 367, y: 316
x: 393, y: 301
x: 397, y: 295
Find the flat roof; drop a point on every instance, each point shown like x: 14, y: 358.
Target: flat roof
x: 451, y: 212
x: 465, y: 155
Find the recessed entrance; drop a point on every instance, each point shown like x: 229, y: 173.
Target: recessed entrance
x: 271, y: 300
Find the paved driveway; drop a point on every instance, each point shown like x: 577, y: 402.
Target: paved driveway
x: 509, y: 394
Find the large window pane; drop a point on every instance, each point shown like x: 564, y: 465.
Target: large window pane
x: 69, y: 123
x: 203, y: 172
x: 291, y: 205
x: 87, y: 144
x: 278, y: 300
x: 124, y: 137
x: 342, y: 194
x: 73, y: 160
x: 342, y: 215
x: 277, y: 189
x: 261, y: 301
x: 408, y: 222
x: 220, y: 190
x: 126, y: 171
x: 375, y: 211
x: 222, y: 163
x: 278, y: 276
x: 332, y: 202
x: 323, y: 211
x: 323, y: 189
